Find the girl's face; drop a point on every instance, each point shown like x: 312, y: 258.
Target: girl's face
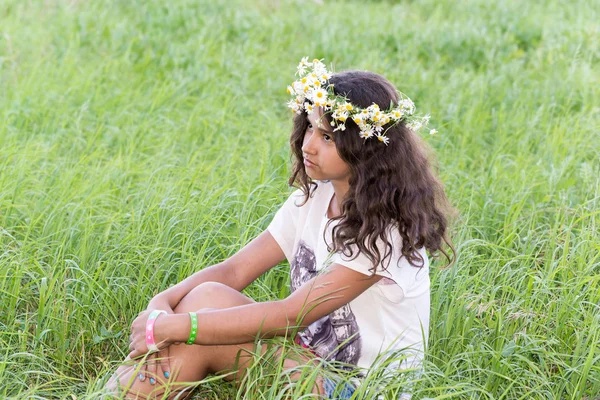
x: 318, y: 147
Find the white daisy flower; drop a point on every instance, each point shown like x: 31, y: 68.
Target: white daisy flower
x: 302, y: 66
x: 433, y: 131
x: 308, y: 107
x: 340, y: 116
x: 298, y: 87
x: 415, y: 126
x: 324, y: 76
x: 319, y: 97
x: 408, y: 106
x: 366, y: 133
x: 383, y: 139
x: 397, y: 114
x: 318, y: 67
x: 372, y: 109
x: 295, y: 106
x: 376, y: 116
x: 425, y: 120
x: 364, y: 126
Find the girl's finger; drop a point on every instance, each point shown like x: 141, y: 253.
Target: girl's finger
x: 151, y: 368
x: 163, y: 359
x: 144, y: 370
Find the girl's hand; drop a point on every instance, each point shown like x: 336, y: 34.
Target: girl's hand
x: 138, y: 346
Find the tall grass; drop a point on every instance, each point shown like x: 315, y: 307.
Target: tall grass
x: 144, y: 140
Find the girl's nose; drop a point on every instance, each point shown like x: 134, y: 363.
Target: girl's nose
x: 308, y: 145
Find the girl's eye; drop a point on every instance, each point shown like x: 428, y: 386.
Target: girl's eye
x: 327, y: 138
x: 309, y: 126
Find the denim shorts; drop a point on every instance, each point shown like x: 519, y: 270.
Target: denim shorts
x: 337, y: 389
x: 334, y: 387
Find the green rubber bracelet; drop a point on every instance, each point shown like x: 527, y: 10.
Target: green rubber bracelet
x: 194, y: 328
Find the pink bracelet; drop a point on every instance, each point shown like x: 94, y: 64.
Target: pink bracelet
x: 150, y: 330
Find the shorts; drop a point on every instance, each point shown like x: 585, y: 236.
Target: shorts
x: 334, y: 388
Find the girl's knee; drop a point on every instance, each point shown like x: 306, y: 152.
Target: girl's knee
x: 212, y: 295
x: 208, y: 289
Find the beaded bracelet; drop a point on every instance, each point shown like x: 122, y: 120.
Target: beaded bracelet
x: 194, y: 327
x: 150, y: 330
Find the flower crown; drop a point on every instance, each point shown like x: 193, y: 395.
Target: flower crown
x: 314, y: 76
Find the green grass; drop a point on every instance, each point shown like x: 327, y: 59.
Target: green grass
x: 141, y: 141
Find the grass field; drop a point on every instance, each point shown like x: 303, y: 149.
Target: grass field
x: 141, y: 141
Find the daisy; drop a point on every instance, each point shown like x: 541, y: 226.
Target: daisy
x: 373, y: 109
x: 308, y: 107
x: 383, y: 139
x: 319, y: 97
x: 408, y: 106
x: 366, y: 133
x: 324, y: 76
x: 319, y: 68
x: 415, y: 125
x: 302, y: 66
x: 298, y: 87
x: 376, y: 116
x: 397, y: 114
x: 425, y: 120
x: 295, y: 106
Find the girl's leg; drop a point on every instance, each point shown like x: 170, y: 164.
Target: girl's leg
x: 189, y: 363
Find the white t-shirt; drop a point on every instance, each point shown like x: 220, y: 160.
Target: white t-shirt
x: 392, y: 314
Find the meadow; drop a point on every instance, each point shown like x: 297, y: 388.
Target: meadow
x: 141, y: 141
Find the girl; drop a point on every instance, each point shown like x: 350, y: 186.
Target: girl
x: 355, y: 232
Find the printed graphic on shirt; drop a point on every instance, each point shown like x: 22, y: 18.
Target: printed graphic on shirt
x: 325, y: 335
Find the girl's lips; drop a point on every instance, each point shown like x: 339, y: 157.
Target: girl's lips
x: 308, y: 163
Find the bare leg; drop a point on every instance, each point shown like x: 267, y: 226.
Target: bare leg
x: 191, y: 363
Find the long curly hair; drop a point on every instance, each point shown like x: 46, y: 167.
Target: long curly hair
x: 390, y: 186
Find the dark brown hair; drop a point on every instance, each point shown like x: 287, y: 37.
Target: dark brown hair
x: 390, y: 186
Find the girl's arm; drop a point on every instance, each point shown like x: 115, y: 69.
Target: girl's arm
x: 316, y: 298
